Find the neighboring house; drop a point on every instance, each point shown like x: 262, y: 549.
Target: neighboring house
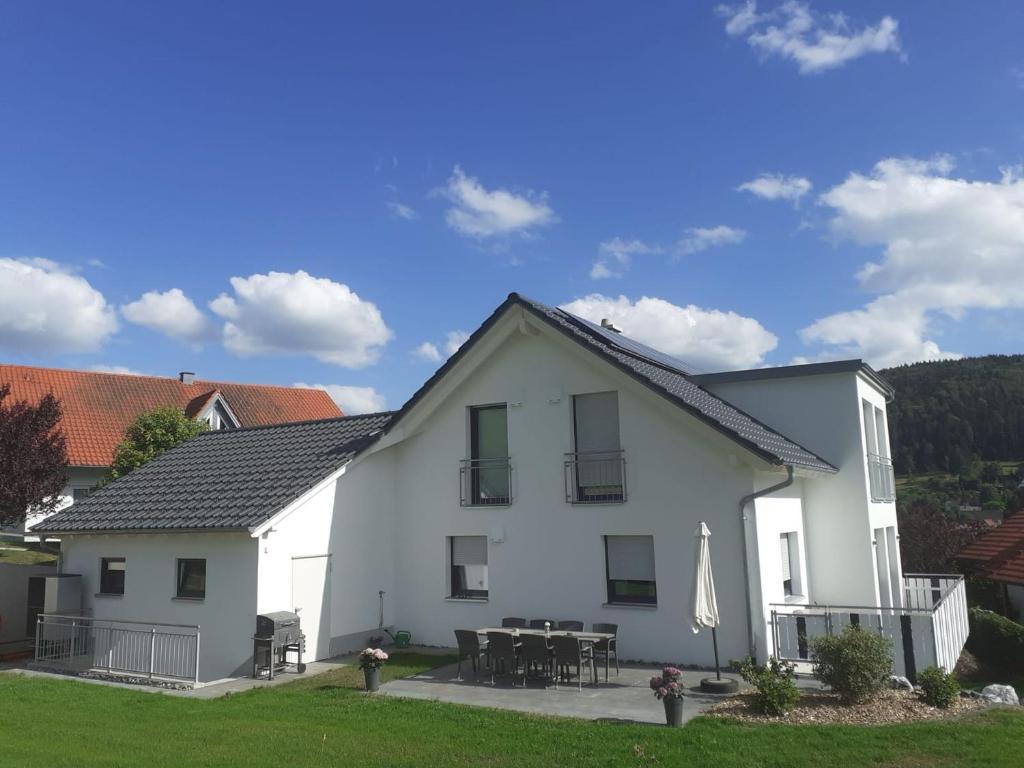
x: 999, y: 555
x: 99, y: 407
x: 552, y: 467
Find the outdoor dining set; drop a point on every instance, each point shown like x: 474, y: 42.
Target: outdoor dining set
x: 542, y: 649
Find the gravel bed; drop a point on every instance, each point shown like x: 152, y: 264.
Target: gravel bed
x: 820, y: 708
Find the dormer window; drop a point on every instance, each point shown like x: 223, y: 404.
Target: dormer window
x: 219, y: 418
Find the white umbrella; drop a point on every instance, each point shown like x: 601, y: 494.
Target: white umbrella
x: 705, y: 605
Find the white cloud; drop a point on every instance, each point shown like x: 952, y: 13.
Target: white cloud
x: 816, y: 42
x: 352, y: 400
x: 949, y: 245
x: 402, y: 211
x: 432, y: 353
x: 615, y: 256
x: 454, y: 340
x: 708, y: 339
x: 428, y: 351
x: 119, y: 369
x: 45, y: 308
x: 775, y: 186
x: 481, y: 213
x: 697, y: 239
x: 171, y: 313
x: 283, y: 313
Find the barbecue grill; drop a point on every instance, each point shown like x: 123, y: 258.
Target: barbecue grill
x: 277, y: 634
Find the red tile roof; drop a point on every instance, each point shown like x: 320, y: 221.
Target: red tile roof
x: 999, y: 553
x: 98, y: 407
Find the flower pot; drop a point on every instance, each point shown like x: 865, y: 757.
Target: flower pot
x: 673, y: 710
x: 372, y: 677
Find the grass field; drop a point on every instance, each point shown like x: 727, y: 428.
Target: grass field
x: 327, y: 721
x: 16, y: 553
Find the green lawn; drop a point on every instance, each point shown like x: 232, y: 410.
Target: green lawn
x: 326, y: 721
x: 20, y: 554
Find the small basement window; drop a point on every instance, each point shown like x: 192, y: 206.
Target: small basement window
x: 629, y: 565
x: 112, y: 575
x: 191, y: 578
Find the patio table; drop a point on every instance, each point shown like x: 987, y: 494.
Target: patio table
x: 586, y: 637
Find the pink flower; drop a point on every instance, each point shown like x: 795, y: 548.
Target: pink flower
x: 656, y: 683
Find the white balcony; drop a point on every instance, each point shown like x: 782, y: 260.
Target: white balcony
x: 881, y: 478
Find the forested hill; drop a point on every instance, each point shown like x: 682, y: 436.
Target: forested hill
x: 947, y: 413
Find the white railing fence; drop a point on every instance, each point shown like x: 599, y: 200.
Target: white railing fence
x: 881, y: 478
x: 929, y: 629
x: 144, y: 649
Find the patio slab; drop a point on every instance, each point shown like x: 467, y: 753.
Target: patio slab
x: 625, y: 697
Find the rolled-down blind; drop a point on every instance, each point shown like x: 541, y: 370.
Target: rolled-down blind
x: 630, y: 558
x: 784, y: 552
x: 469, y: 550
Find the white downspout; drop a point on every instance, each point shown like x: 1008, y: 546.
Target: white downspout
x: 746, y: 566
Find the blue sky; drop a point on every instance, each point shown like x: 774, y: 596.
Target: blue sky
x: 329, y: 195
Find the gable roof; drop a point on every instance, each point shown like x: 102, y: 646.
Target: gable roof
x: 663, y: 374
x: 224, y: 480
x: 99, y: 407
x: 998, y: 554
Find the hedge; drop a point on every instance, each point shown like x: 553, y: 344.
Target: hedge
x: 996, y: 641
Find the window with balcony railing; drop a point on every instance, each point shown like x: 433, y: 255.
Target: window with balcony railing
x: 595, y: 477
x: 881, y: 478
x: 485, y: 482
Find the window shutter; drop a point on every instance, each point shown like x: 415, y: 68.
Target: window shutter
x: 784, y: 552
x: 469, y: 550
x: 630, y: 558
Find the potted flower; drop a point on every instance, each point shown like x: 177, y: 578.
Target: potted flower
x: 370, y: 661
x: 669, y: 688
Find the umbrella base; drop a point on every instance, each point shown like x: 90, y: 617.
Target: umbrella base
x: 714, y: 685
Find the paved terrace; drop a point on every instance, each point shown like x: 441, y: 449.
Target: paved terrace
x: 625, y: 697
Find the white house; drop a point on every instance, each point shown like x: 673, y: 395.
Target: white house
x: 551, y: 468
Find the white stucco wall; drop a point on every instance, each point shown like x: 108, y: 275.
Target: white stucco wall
x: 823, y: 413
x: 227, y: 616
x: 550, y: 561
x: 351, y: 521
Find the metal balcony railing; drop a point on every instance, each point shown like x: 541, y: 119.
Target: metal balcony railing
x: 138, y: 649
x: 485, y: 482
x: 881, y: 478
x: 595, y: 477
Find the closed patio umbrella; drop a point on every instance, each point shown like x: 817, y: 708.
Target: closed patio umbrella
x: 705, y: 608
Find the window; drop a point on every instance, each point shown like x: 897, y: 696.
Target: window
x: 219, y: 418
x: 191, y: 578
x: 78, y: 494
x: 789, y: 552
x: 881, y: 479
x: 597, y: 462
x: 467, y: 556
x: 112, y: 576
x: 629, y: 563
x: 489, y: 476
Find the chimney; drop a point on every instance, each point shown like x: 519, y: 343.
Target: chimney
x: 187, y: 377
x: 606, y: 323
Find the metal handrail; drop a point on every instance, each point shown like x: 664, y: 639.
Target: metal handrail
x: 117, y: 621
x: 881, y: 478
x: 469, y: 478
x: 610, y: 469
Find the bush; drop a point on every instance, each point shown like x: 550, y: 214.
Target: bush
x: 939, y: 688
x: 856, y: 665
x: 776, y: 691
x: 996, y: 641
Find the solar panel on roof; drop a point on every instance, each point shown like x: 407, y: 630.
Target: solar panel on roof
x: 633, y: 347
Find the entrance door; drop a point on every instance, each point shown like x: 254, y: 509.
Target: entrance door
x: 311, y: 599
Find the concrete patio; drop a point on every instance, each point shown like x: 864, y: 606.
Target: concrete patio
x: 625, y: 697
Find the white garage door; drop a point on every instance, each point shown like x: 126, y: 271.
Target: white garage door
x: 311, y: 596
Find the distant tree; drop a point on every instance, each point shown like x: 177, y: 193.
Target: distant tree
x: 33, y: 457
x: 150, y: 435
x: 929, y: 538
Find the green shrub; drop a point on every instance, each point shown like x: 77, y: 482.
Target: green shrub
x: 856, y: 664
x: 996, y: 641
x: 775, y: 689
x: 939, y: 688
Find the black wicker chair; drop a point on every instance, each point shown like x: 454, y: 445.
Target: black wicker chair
x: 504, y: 651
x: 570, y: 652
x: 605, y: 649
x: 471, y: 648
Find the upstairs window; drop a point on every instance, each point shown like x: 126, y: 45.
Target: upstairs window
x: 596, y: 466
x: 629, y: 563
x: 881, y: 478
x: 191, y: 578
x: 468, y: 563
x: 80, y: 494
x: 489, y: 476
x: 112, y: 571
